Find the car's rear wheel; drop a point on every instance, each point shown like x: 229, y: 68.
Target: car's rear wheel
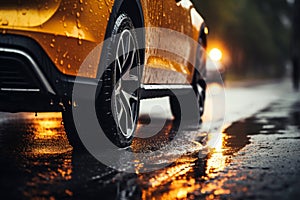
x: 190, y: 107
x: 200, y: 91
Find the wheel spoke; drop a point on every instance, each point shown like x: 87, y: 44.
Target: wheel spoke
x: 127, y: 83
x: 129, y: 44
x: 118, y: 88
x: 129, y: 86
x: 119, y: 65
x: 121, y: 110
x: 127, y: 114
x: 133, y: 57
x: 123, y: 49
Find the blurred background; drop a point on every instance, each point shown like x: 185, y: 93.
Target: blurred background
x: 258, y: 39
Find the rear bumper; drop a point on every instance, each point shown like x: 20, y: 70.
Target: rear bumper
x: 20, y: 73
x: 29, y: 80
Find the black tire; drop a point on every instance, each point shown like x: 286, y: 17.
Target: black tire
x: 105, y: 90
x: 199, y: 83
x: 175, y: 109
x: 112, y: 102
x: 186, y: 109
x: 199, y: 90
x: 72, y: 135
x: 200, y: 95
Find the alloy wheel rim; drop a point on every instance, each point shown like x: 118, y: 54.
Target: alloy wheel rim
x: 125, y: 97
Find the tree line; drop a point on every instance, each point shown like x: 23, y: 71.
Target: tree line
x: 256, y: 33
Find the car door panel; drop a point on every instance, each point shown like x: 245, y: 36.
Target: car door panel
x: 168, y: 59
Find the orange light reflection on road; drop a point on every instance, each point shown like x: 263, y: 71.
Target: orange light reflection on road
x: 216, y: 161
x: 179, y: 186
x: 44, y: 129
x: 183, y: 182
x: 45, y: 174
x: 48, y: 137
x: 47, y: 154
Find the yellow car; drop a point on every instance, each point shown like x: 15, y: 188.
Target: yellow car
x: 44, y: 44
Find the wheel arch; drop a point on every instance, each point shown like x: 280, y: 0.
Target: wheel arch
x: 134, y: 10
x: 199, y: 77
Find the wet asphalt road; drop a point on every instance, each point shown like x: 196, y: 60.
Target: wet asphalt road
x: 257, y: 157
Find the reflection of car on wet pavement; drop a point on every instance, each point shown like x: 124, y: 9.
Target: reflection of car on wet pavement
x: 43, y: 45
